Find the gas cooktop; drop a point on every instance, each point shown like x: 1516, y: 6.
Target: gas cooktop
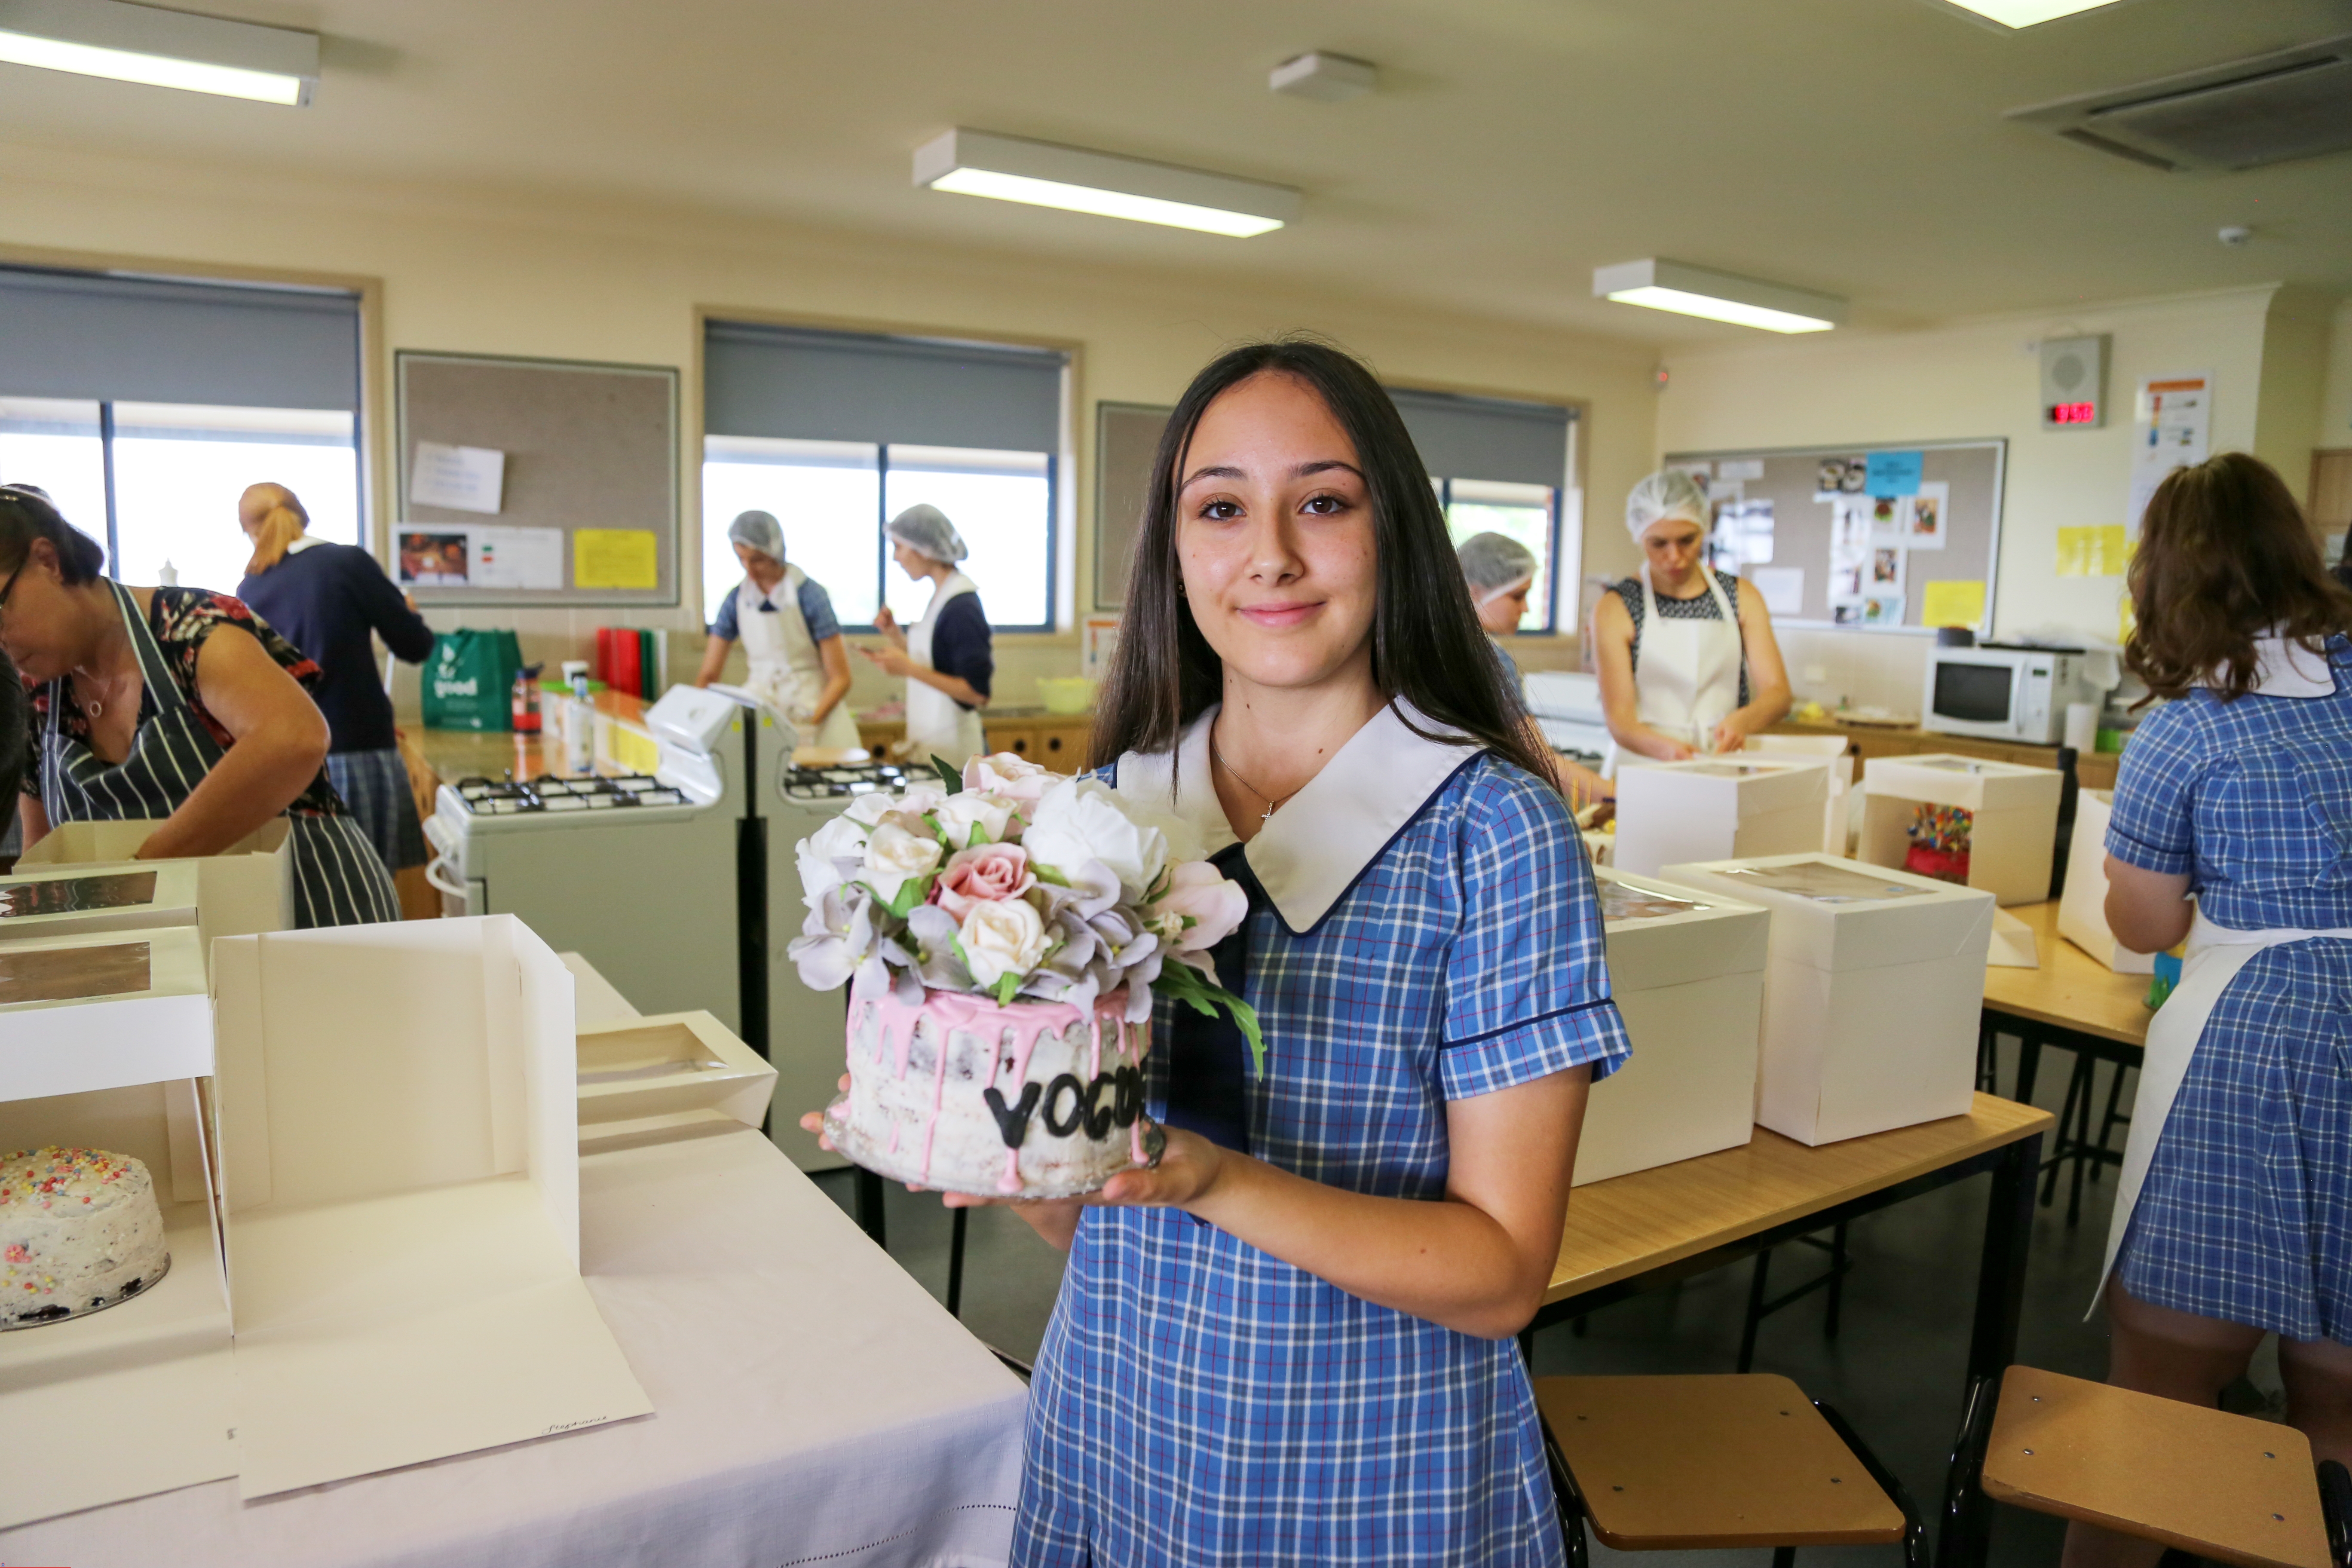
x: 850, y: 779
x: 509, y: 797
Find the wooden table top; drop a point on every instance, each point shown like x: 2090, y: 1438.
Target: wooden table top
x: 1631, y: 1223
x: 2072, y: 990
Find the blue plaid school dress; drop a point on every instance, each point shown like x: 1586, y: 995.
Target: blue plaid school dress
x: 1424, y: 929
x: 2246, y: 1212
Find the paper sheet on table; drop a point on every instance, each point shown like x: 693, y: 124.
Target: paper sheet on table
x: 616, y: 558
x: 463, y: 478
x: 1783, y: 588
x: 1952, y: 605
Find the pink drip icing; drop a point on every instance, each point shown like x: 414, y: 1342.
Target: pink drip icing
x: 1011, y: 1181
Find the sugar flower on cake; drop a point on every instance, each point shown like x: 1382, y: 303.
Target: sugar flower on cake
x: 1018, y: 884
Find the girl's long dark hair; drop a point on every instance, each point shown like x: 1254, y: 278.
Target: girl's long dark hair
x: 1427, y: 647
x: 2224, y: 557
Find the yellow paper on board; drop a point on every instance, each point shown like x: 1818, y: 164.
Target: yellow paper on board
x: 1952, y: 605
x: 616, y: 558
x: 2074, y: 549
x: 2110, y: 552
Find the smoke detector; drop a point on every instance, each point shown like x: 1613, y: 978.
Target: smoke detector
x: 1324, y: 77
x: 2265, y: 109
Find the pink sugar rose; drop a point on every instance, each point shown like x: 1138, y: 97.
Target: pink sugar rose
x: 987, y: 874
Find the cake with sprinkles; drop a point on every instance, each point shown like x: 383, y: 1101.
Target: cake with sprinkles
x: 79, y: 1230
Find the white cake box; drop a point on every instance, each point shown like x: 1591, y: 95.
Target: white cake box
x: 69, y: 901
x: 1833, y: 752
x: 1872, y: 992
x: 1687, y: 970
x: 2082, y: 902
x: 669, y: 1074
x: 1716, y: 808
x: 398, y: 1117
x: 2011, y: 843
x: 246, y: 888
x: 102, y: 1010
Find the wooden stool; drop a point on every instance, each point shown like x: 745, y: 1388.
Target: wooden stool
x: 2225, y: 1487
x: 1663, y: 1464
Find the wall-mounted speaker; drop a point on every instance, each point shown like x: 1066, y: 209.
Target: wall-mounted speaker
x: 2074, y: 383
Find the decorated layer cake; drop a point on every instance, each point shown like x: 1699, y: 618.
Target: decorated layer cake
x: 79, y: 1230
x: 1004, y: 933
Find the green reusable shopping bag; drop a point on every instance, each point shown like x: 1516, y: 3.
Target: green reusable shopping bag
x: 468, y: 681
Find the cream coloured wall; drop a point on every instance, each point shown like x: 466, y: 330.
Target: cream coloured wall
x: 2333, y: 429
x: 599, y: 282
x: 1974, y: 380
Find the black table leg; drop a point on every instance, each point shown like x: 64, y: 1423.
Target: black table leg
x: 869, y: 1207
x: 2000, y: 1275
x: 2029, y: 1062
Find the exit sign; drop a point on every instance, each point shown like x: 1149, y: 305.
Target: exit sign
x: 2074, y: 383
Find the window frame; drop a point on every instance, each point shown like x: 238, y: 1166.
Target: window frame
x: 1551, y: 626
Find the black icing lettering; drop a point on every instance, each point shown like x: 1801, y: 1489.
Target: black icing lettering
x: 1127, y: 1104
x: 1098, y: 1115
x: 1012, y: 1121
x: 1059, y: 1126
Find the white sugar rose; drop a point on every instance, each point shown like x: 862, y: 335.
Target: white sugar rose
x: 1078, y: 820
x: 840, y: 839
x: 1009, y: 774
x: 893, y: 855
x: 959, y: 813
x: 1002, y: 937
x: 869, y: 809
x: 1198, y: 892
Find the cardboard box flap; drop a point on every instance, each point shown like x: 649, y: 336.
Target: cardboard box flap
x: 102, y: 1010
x: 1831, y: 913
x: 1757, y: 784
x: 1974, y: 783
x: 248, y: 888
x: 60, y: 900
x: 1660, y: 932
x: 667, y: 1064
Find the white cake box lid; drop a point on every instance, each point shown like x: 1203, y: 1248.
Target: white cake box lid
x: 2082, y: 902
x: 1973, y: 784
x: 102, y: 1010
x: 1831, y: 913
x: 248, y: 888
x: 669, y: 1066
x: 58, y: 901
x: 1664, y: 933
x: 1743, y: 786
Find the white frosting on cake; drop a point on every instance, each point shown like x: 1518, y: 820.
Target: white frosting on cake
x: 80, y: 1229
x: 1028, y: 1099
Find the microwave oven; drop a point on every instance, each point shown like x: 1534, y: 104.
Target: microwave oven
x: 1997, y: 691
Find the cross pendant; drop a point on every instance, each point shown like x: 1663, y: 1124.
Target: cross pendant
x: 1266, y: 817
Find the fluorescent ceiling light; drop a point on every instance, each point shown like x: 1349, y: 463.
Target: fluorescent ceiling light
x: 1008, y: 168
x: 161, y: 48
x: 1718, y: 296
x: 2021, y: 13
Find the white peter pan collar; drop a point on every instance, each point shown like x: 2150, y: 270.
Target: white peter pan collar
x: 1313, y: 849
x: 2284, y: 668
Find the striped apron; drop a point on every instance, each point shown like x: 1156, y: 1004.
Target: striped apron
x: 339, y: 880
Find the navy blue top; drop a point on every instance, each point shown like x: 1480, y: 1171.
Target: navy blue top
x: 816, y: 609
x: 325, y: 600
x: 959, y: 643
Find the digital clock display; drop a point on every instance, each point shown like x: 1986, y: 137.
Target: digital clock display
x: 2074, y: 414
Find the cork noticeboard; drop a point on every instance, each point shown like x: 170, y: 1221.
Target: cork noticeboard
x: 581, y: 471
x: 1963, y: 480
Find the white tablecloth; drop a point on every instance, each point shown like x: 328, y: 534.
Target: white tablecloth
x: 812, y: 1404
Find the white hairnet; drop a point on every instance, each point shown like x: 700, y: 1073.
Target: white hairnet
x: 1494, y: 563
x: 1670, y: 492
x: 758, y: 531
x: 925, y: 530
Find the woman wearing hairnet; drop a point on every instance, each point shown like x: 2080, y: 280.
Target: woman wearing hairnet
x: 1500, y: 571
x: 1687, y: 660
x: 799, y: 665
x: 944, y: 658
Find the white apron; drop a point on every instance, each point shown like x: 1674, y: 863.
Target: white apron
x: 787, y: 674
x: 1686, y: 678
x: 2216, y: 953
x: 937, y: 724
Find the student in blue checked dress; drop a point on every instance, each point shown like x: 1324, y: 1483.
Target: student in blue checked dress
x: 1291, y: 1342
x: 2239, y: 789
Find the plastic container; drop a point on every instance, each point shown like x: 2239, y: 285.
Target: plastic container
x: 526, y: 700
x: 1066, y: 693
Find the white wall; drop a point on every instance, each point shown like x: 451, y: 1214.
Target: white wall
x: 1976, y: 380
x: 600, y: 283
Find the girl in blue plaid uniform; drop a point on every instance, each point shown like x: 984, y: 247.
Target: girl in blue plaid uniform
x: 2234, y: 1217
x: 1291, y: 1342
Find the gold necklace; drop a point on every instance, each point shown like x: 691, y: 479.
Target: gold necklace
x: 1272, y: 805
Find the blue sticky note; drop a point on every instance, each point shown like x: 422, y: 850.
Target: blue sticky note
x: 1895, y: 473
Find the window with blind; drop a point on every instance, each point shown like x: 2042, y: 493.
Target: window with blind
x: 1500, y: 466
x: 835, y: 433
x: 145, y: 406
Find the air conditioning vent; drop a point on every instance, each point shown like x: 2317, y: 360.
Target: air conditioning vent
x: 2293, y: 103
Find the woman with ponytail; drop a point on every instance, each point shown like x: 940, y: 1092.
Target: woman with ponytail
x: 175, y: 704
x: 330, y: 600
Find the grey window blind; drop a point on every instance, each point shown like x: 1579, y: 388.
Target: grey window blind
x: 1486, y: 438
x: 140, y: 339
x: 801, y: 385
